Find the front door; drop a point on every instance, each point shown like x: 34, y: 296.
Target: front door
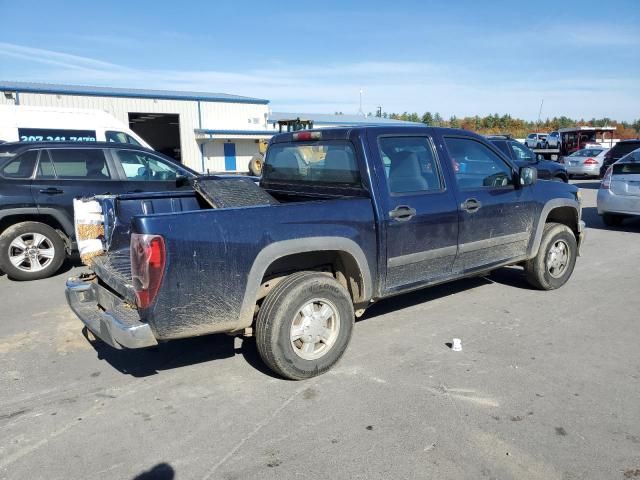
x: 421, y: 219
x: 496, y: 218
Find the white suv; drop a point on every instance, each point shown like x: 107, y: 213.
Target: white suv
x: 553, y: 140
x: 535, y: 140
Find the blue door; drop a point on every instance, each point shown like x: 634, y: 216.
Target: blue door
x: 230, y: 156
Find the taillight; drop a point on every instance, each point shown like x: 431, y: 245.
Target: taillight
x: 590, y: 161
x: 147, y: 266
x: 302, y: 136
x: 606, y: 180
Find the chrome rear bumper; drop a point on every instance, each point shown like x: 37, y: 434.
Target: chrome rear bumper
x: 107, y: 316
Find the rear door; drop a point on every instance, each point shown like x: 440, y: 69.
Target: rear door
x: 496, y: 218
x: 67, y: 173
x: 420, y: 219
x: 15, y: 183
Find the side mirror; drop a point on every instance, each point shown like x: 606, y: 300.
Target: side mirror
x: 528, y: 175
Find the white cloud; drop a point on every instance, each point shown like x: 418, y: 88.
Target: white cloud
x: 397, y: 86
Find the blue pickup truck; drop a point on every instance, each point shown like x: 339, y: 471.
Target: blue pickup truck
x: 354, y: 215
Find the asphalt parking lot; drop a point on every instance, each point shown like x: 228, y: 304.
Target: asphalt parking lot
x: 547, y: 386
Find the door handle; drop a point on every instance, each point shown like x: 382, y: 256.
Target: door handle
x: 51, y: 191
x: 471, y: 205
x: 402, y: 213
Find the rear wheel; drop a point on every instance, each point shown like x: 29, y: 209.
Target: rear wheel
x: 611, y: 220
x: 30, y: 251
x: 304, y: 325
x: 556, y: 258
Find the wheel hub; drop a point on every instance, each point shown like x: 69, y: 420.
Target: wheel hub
x: 315, y: 329
x: 558, y: 259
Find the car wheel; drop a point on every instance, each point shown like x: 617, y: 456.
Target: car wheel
x: 558, y: 179
x: 304, y: 325
x: 556, y: 258
x: 611, y: 220
x: 30, y: 251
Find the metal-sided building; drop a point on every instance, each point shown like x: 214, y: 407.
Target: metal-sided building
x: 206, y: 131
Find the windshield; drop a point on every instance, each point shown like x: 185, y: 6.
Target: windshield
x: 323, y: 162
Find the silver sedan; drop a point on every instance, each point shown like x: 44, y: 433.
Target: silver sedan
x: 619, y: 194
x: 586, y: 161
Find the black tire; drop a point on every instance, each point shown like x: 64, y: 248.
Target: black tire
x: 53, y: 240
x: 537, y: 270
x: 282, y: 307
x: 612, y: 220
x: 559, y: 178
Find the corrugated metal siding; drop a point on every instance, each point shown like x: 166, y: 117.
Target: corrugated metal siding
x: 215, y: 115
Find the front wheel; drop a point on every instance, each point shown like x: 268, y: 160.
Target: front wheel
x: 304, y: 325
x: 30, y: 251
x: 556, y: 258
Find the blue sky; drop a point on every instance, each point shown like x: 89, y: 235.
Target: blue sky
x: 457, y: 57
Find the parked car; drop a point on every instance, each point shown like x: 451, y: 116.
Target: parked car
x: 535, y: 140
x: 619, y: 193
x: 618, y: 151
x: 522, y: 156
x: 21, y: 123
x: 39, y: 181
x: 585, y: 162
x: 552, y: 140
x: 362, y: 213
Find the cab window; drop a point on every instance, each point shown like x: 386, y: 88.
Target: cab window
x: 410, y: 165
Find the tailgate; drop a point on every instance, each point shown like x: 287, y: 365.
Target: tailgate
x: 113, y: 265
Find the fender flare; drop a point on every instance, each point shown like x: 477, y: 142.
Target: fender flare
x: 274, y: 251
x: 542, y: 219
x: 62, y: 219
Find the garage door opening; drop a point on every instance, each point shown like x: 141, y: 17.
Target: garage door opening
x: 160, y: 130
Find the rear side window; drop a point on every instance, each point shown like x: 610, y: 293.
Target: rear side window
x: 410, y: 164
x: 22, y: 166
x: 120, y: 137
x: 80, y: 163
x: 622, y: 149
x: 627, y: 168
x: 324, y: 162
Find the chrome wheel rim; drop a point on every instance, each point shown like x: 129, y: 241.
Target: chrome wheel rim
x: 314, y: 329
x: 31, y: 252
x: 558, y: 258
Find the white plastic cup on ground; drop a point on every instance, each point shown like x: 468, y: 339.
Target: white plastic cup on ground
x: 456, y: 345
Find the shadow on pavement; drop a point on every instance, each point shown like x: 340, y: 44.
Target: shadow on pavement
x: 177, y: 353
x: 593, y: 220
x: 511, y: 276
x: 162, y: 471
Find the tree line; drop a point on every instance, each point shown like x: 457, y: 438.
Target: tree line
x: 494, y: 124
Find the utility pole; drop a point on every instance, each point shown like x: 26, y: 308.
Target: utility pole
x: 379, y: 112
x: 540, y: 114
x: 360, y: 111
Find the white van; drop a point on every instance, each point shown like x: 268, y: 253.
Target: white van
x: 21, y: 123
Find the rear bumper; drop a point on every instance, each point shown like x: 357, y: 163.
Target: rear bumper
x: 609, y: 202
x: 107, y: 316
x: 593, y: 170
